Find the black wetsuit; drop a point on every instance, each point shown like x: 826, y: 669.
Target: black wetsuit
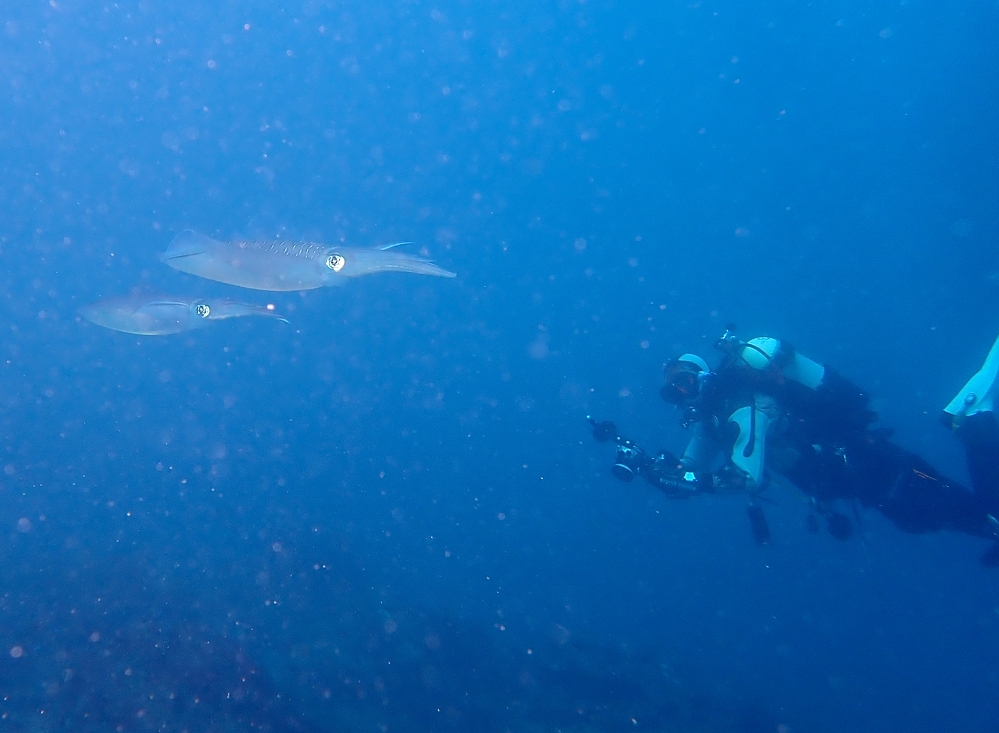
x: 824, y: 444
x: 909, y: 491
x: 980, y: 435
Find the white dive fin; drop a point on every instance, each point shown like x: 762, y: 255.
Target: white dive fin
x: 979, y: 394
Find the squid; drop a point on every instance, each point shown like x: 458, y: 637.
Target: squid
x: 285, y: 265
x: 159, y: 316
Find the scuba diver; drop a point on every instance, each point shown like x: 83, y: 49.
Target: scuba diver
x: 767, y: 410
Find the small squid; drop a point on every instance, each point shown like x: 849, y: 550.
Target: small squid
x: 149, y: 316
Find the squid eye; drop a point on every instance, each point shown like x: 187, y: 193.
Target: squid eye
x: 335, y: 262
x: 203, y: 310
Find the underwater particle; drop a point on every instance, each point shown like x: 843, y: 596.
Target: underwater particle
x: 539, y: 347
x: 886, y: 33
x: 579, y: 245
x: 962, y: 228
x: 17, y: 651
x: 95, y: 637
x: 742, y: 232
x: 560, y: 634
x: 170, y: 140
x: 129, y: 167
x: 23, y: 524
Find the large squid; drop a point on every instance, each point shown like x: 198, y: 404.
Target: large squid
x: 279, y: 265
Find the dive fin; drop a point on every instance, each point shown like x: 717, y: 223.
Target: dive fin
x: 981, y: 391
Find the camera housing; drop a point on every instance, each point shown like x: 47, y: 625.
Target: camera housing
x: 628, y: 462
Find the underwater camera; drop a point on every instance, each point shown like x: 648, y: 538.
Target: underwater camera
x: 629, y: 461
x: 630, y: 458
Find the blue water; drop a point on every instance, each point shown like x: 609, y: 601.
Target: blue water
x: 389, y: 515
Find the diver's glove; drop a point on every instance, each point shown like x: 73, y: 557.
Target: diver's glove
x: 728, y: 480
x: 662, y: 471
x: 668, y: 475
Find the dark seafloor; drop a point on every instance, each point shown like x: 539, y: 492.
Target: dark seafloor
x: 389, y: 515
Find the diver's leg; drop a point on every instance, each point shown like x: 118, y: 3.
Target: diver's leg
x: 971, y: 414
x: 980, y: 436
x: 913, y: 494
x: 921, y: 501
x: 924, y: 501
